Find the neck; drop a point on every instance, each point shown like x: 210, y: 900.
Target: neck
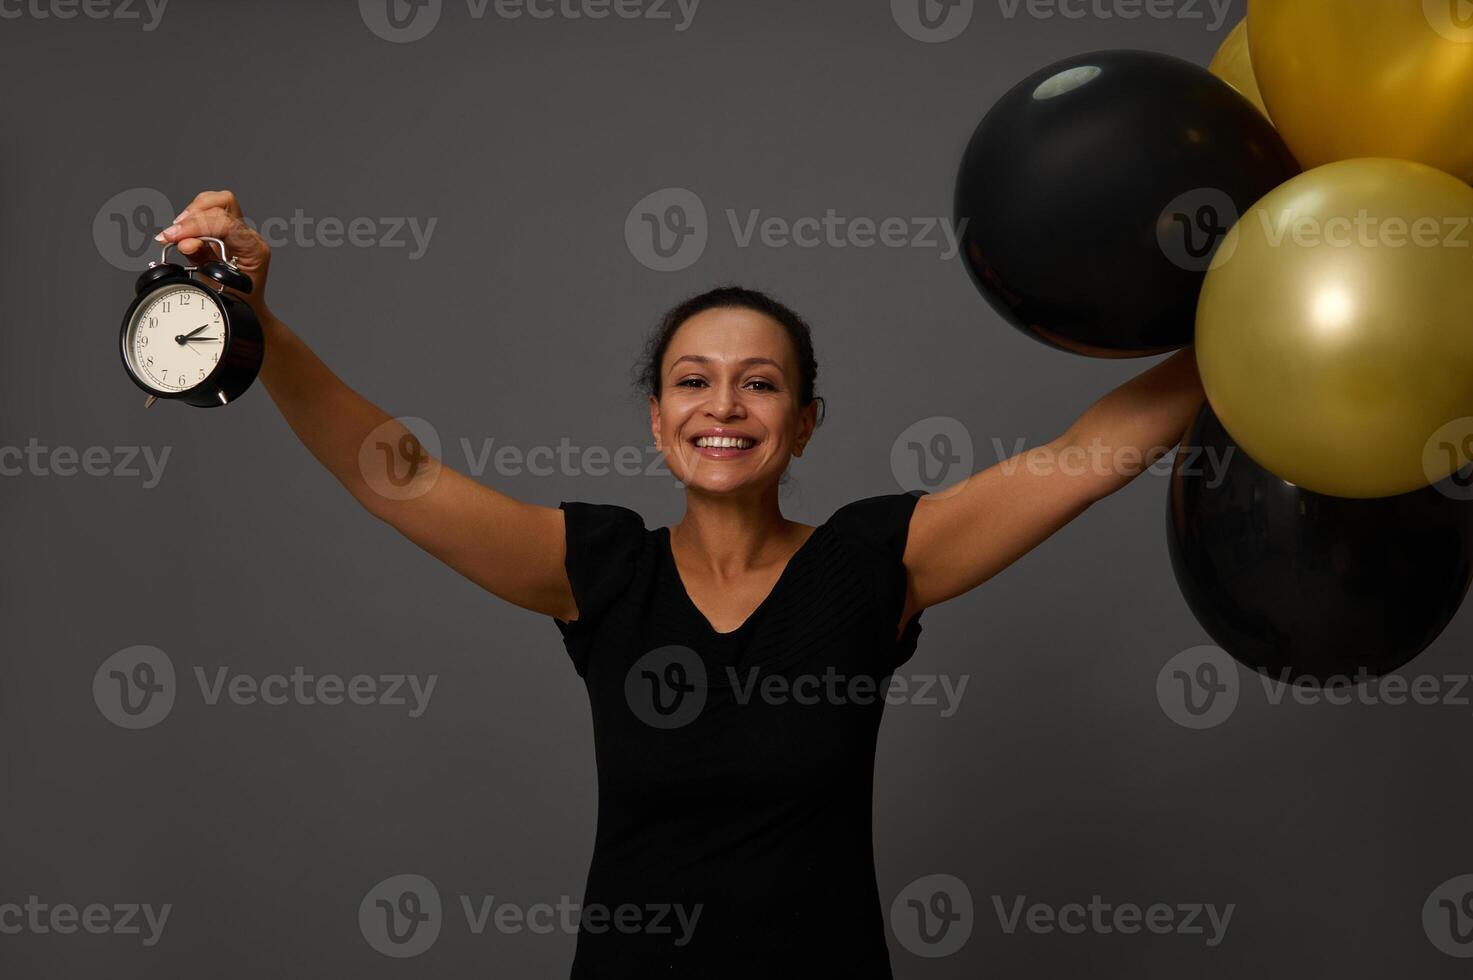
x: 727, y: 535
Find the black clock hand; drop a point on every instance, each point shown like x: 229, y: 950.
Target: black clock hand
x: 201, y: 340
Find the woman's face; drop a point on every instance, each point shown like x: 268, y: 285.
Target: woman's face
x: 730, y: 374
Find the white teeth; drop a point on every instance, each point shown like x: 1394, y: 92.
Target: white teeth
x: 724, y: 442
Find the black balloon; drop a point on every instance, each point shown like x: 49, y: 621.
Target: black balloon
x: 1305, y: 587
x: 1097, y: 190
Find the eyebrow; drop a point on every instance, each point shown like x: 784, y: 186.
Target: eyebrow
x: 745, y: 362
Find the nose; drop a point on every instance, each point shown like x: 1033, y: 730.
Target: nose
x: 725, y: 402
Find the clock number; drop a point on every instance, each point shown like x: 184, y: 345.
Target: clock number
x: 142, y: 341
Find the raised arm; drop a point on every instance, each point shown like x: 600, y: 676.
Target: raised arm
x: 512, y: 549
x: 964, y: 535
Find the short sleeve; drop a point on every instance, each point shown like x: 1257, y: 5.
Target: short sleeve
x: 603, y: 542
x: 876, y: 529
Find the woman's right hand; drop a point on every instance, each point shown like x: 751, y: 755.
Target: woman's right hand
x: 217, y: 214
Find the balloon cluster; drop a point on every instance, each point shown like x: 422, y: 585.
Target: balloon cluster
x: 1302, y: 213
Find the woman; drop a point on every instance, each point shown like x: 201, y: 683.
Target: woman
x: 734, y: 662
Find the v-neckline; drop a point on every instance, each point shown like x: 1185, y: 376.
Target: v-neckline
x: 751, y: 616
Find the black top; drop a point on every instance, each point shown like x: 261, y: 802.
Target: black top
x: 736, y: 770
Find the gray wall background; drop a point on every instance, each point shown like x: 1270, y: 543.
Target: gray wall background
x: 1061, y: 777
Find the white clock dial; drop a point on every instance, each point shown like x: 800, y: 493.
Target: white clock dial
x: 175, y: 339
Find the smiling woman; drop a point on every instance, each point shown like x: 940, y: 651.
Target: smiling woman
x: 726, y: 658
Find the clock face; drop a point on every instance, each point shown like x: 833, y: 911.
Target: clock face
x: 175, y: 338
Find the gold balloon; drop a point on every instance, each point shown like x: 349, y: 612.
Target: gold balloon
x: 1233, y: 65
x: 1368, y: 78
x: 1335, y: 328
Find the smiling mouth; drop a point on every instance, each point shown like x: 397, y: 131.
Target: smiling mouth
x: 723, y: 442
x: 723, y: 447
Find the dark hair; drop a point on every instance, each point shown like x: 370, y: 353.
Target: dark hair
x: 647, y: 371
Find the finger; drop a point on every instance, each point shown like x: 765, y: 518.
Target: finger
x: 187, y: 235
x: 206, y: 200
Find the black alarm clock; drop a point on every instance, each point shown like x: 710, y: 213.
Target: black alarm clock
x: 186, y: 338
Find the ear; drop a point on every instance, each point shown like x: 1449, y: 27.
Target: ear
x: 655, y: 420
x: 807, y: 422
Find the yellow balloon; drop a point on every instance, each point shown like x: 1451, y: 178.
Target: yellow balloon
x: 1335, y: 328
x: 1368, y: 78
x: 1233, y: 65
